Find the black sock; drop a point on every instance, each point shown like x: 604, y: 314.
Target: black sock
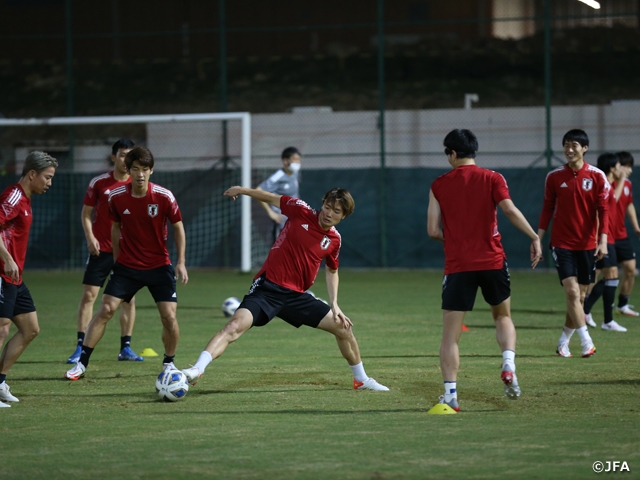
x: 84, y: 356
x: 2, y: 377
x: 608, y: 297
x: 80, y: 338
x: 593, y: 297
x: 125, y: 342
x: 623, y: 300
x: 168, y: 359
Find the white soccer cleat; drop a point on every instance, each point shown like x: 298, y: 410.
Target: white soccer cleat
x: 588, y: 319
x: 4, y: 405
x: 76, y: 372
x: 5, y: 394
x: 613, y: 326
x: 563, y: 350
x: 169, y: 366
x: 369, y: 384
x: 628, y: 311
x: 588, y: 350
x: 193, y: 374
x: 508, y: 377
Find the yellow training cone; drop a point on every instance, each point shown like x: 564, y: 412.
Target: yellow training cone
x: 441, y: 409
x: 148, y: 352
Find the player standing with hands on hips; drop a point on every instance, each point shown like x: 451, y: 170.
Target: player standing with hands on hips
x: 140, y: 211
x: 308, y: 238
x: 462, y: 214
x: 576, y: 197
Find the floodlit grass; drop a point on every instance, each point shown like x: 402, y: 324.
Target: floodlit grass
x: 279, y: 403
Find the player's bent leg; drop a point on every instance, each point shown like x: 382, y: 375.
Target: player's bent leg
x: 240, y: 322
x: 575, y: 296
x: 128, y: 317
x: 347, y: 342
x: 28, y: 329
x: 85, y: 309
x: 170, y: 328
x: 98, y: 324
x: 449, y: 352
x: 505, y: 330
x: 5, y: 325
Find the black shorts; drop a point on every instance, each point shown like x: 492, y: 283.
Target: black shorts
x: 624, y: 250
x: 575, y: 263
x: 98, y: 268
x: 125, y: 283
x: 15, y: 300
x: 266, y: 300
x: 459, y: 289
x: 610, y: 259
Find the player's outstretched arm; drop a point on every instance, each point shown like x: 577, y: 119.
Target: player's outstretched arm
x: 87, y: 225
x: 260, y: 195
x: 433, y: 219
x: 332, y: 289
x: 273, y: 215
x: 181, y: 248
x: 518, y: 220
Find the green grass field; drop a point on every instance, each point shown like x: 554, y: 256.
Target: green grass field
x: 279, y: 403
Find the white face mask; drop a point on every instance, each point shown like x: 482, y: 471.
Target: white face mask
x: 295, y: 167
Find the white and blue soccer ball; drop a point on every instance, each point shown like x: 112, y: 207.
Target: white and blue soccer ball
x: 172, y: 385
x: 229, y: 306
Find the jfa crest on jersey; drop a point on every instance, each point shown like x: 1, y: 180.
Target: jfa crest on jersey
x: 152, y: 210
x: 587, y: 184
x: 324, y: 244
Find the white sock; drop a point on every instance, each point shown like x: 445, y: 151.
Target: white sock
x: 450, y: 391
x: 509, y: 358
x: 585, y: 338
x: 204, y: 360
x: 358, y: 372
x: 566, y: 334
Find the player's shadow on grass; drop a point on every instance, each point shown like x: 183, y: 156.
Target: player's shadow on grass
x: 435, y: 355
x: 627, y: 382
x: 303, y: 412
x: 518, y: 327
x: 182, y: 307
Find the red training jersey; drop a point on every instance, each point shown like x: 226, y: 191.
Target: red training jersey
x: 626, y: 197
x: 613, y: 217
x: 97, y: 196
x: 15, y: 223
x: 575, y: 200
x: 143, y: 225
x: 468, y: 196
x: 295, y: 258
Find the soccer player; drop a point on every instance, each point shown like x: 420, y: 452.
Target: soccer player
x: 576, y: 197
x: 140, y: 211
x: 284, y: 181
x: 608, y: 265
x: 462, y: 214
x: 100, y: 261
x: 308, y: 238
x: 624, y: 250
x: 16, y: 304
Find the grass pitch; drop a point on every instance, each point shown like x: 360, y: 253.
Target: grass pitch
x: 279, y: 403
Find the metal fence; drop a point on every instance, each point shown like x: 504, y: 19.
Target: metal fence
x: 367, y: 91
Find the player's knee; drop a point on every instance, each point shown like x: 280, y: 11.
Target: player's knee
x: 89, y: 296
x: 31, y: 332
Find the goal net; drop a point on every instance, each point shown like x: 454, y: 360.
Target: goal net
x: 197, y: 157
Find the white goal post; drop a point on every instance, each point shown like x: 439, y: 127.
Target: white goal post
x: 243, y: 117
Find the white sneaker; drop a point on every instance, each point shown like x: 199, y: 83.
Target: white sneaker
x: 369, y: 384
x: 169, y: 366
x: 4, y: 405
x: 588, y: 319
x: 75, y: 373
x: 193, y: 374
x: 5, y: 394
x: 508, y: 377
x: 628, y: 311
x: 563, y: 350
x: 613, y: 326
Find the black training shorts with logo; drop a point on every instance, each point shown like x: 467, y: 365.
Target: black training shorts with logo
x: 575, y: 263
x: 125, y: 283
x: 459, y: 289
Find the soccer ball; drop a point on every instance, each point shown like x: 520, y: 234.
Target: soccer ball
x: 172, y: 385
x: 229, y: 306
